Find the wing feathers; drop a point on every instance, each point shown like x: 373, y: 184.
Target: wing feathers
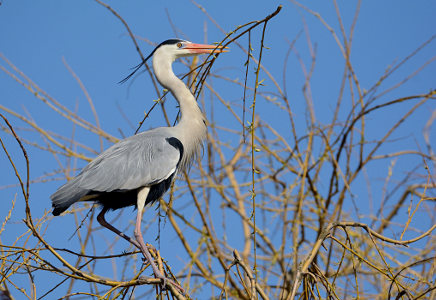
x: 141, y: 160
x: 132, y: 163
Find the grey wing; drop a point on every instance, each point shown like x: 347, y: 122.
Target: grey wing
x: 141, y: 160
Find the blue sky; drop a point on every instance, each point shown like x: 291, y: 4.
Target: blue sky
x: 39, y: 36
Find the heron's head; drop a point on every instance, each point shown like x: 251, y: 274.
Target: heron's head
x: 176, y: 48
x: 168, y: 51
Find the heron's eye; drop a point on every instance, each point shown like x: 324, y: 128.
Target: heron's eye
x: 179, y: 45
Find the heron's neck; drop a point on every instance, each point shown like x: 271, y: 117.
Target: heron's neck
x: 191, y: 128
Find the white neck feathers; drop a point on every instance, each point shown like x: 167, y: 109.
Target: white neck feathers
x: 191, y: 129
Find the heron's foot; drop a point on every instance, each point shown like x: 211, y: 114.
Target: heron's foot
x: 149, y: 258
x: 166, y: 282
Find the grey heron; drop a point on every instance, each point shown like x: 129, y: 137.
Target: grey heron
x: 140, y: 169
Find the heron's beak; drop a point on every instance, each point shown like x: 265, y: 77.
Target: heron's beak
x: 202, y: 48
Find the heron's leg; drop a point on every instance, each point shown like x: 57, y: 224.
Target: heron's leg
x: 142, y: 196
x: 104, y: 223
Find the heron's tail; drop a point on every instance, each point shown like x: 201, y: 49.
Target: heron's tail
x: 65, y: 196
